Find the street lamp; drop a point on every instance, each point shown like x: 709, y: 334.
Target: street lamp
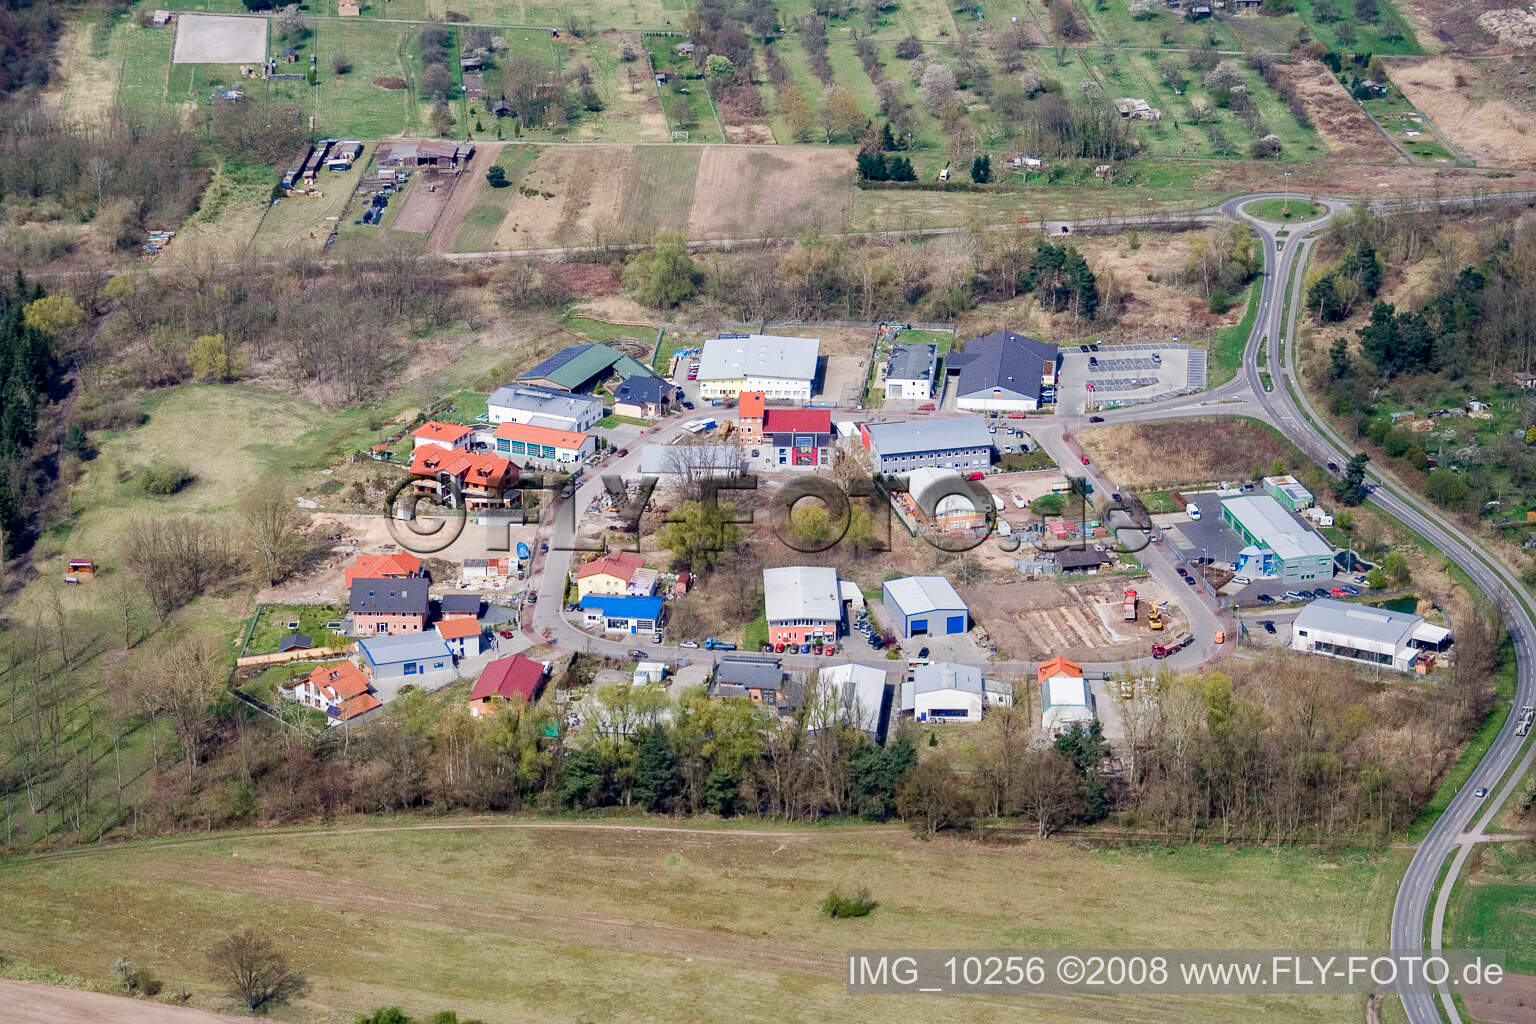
x: 1286, y: 209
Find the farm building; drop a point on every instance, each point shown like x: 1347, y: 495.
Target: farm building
x: 623, y: 614
x: 924, y: 606
x: 1002, y: 372
x: 944, y: 691
x: 528, y: 444
x: 504, y: 679
x: 457, y: 478
x: 341, y: 691
x: 643, y: 397
x: 388, y: 606
x: 1082, y: 559
x: 348, y: 9
x: 690, y: 461
x: 851, y: 695
x: 462, y: 635
x: 1288, y: 491
x: 783, y: 369
x: 343, y: 155
x: 910, y: 370
x: 295, y: 642
x: 1370, y: 636
x: 422, y: 660
x: 617, y: 573
x: 382, y: 567
x: 803, y: 604
x: 964, y: 444
x: 1065, y: 699
x: 470, y: 62
x: 444, y: 435
x: 162, y: 18
x: 445, y: 156
x: 1279, y: 544
x: 543, y: 407
x: 583, y: 367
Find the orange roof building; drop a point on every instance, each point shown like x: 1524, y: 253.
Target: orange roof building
x: 524, y: 442
x: 1058, y: 666
x: 459, y: 628
x: 610, y: 574
x: 341, y: 691
x: 382, y: 567
x: 749, y: 417
x: 448, y: 435
x: 483, y: 480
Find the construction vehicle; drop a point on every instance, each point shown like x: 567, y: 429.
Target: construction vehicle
x: 1154, y: 616
x: 1161, y: 651
x: 1130, y: 605
x: 712, y: 643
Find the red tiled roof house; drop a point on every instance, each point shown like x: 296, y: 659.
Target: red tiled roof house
x: 504, y: 679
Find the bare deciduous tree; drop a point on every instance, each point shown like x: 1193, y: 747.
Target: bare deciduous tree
x: 254, y: 970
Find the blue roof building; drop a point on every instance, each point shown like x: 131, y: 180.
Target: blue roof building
x: 623, y: 614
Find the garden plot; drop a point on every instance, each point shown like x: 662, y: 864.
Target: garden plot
x: 219, y: 39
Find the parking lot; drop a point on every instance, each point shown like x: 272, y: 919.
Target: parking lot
x: 1126, y: 374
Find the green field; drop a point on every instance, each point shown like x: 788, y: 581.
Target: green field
x: 1283, y: 210
x: 479, y: 231
x: 272, y: 624
x: 1494, y: 905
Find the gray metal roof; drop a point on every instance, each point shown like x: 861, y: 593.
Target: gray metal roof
x: 1381, y: 625
x: 907, y: 436
x: 389, y: 650
x: 643, y: 389
x: 468, y: 604
x: 747, y: 672
x: 918, y: 595
x: 1002, y: 360
x: 801, y: 592
x: 541, y: 401
x: 911, y: 362
x: 408, y: 596
x: 759, y: 355
x: 1277, y: 529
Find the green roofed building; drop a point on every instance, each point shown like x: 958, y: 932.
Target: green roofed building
x: 583, y: 367
x: 1279, y: 545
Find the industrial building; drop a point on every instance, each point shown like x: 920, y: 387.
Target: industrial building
x: 853, y: 695
x: 947, y: 692
x: 1278, y: 544
x: 910, y: 370
x: 783, y: 369
x: 803, y: 604
x: 964, y: 444
x: 924, y: 606
x: 1371, y: 636
x: 544, y: 407
x: 583, y: 367
x: 1002, y: 372
x: 1288, y: 491
x: 1066, y: 702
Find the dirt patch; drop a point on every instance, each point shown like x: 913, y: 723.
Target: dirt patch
x: 750, y: 193
x: 389, y: 83
x: 756, y: 134
x: 425, y: 203
x: 26, y: 1002
x: 1339, y: 119
x: 461, y: 198
x: 567, y: 195
x: 1039, y: 619
x: 586, y: 280
x: 1513, y: 1003
x: 1512, y: 26
x: 1183, y: 452
x: 1485, y: 107
x: 1153, y: 310
x: 1456, y: 26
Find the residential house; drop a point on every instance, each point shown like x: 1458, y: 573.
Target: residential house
x: 463, y: 636
x: 388, y: 606
x: 626, y: 614
x: 944, y: 691
x: 924, y: 606
x: 456, y: 477
x: 645, y: 398
x: 750, y: 409
x: 963, y: 444
x: 851, y: 695
x: 341, y: 691
x: 504, y: 679
x: 529, y: 445
x: 453, y: 436
x: 759, y: 679
x: 1002, y: 372
x: 400, y: 565
x: 783, y: 369
x: 1066, y: 702
x: 910, y: 370
x: 424, y: 661
x: 460, y: 606
x: 544, y: 407
x: 616, y: 573
x: 583, y: 367
x: 803, y: 604
x: 794, y: 439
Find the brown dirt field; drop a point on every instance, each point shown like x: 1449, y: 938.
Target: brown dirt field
x: 1454, y: 26
x: 1039, y: 619
x: 754, y: 134
x: 27, y: 1002
x: 465, y: 191
x: 1478, y: 104
x: 423, y: 204
x: 1514, y: 1003
x: 587, y: 182
x: 749, y: 193
x: 1353, y: 178
x: 1339, y: 119
x: 1152, y: 309
x: 1182, y: 452
x: 87, y: 85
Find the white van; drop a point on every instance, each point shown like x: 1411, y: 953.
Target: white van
x: 1192, y: 510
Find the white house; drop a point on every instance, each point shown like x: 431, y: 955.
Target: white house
x: 910, y: 370
x: 1065, y: 699
x: 783, y: 369
x: 943, y: 691
x: 853, y: 695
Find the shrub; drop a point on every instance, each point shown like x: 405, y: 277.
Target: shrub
x: 1219, y: 302
x: 909, y: 48
x: 839, y: 904
x: 162, y: 478
x: 341, y: 63
x: 496, y: 177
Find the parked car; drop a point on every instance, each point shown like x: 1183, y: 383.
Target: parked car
x: 1242, y: 581
x: 1085, y: 460
x: 1266, y: 599
x: 622, y: 452
x: 1294, y: 595
x: 877, y: 643
x: 544, y: 548
x: 688, y: 405
x: 533, y: 598
x: 778, y: 648
x: 1190, y: 580
x: 1320, y: 592
x: 1338, y: 592
x: 927, y: 407
x: 805, y: 648
x: 1116, y: 497
x: 1333, y: 467
x: 507, y: 634
x: 922, y: 652
x: 638, y: 655
x: 1269, y: 627
x: 689, y: 644
x: 1351, y: 591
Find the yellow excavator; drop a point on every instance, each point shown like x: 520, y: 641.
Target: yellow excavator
x: 1154, y: 615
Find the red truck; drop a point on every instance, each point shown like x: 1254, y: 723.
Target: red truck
x: 1161, y: 651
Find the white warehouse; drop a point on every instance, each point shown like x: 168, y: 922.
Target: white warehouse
x: 783, y: 369
x: 1370, y: 636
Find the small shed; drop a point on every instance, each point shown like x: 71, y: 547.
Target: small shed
x: 294, y: 642
x: 290, y: 55
x: 502, y: 108
x: 348, y: 9
x: 162, y: 18
x: 82, y: 567
x: 684, y: 49
x: 471, y: 63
